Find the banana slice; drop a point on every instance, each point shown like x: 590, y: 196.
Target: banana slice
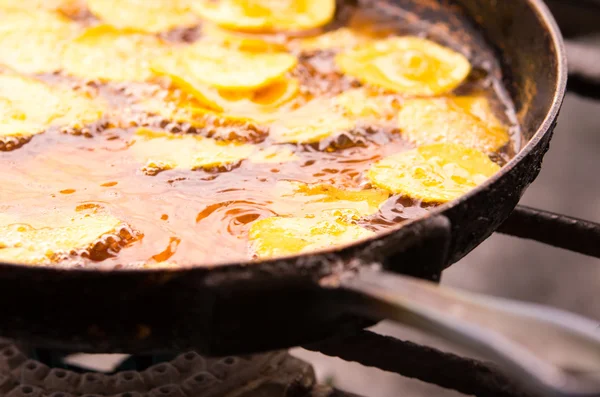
x: 93, y: 235
x: 339, y: 39
x: 324, y: 118
x: 434, y: 173
x: 21, y: 117
x: 33, y: 42
x: 152, y: 16
x: 160, y: 151
x: 301, y: 198
x: 311, y: 123
x: 108, y: 54
x: 267, y: 15
x: 223, y: 68
x: 242, y: 41
x: 406, y: 65
x: 239, y: 104
x: 360, y: 103
x: 171, y: 108
x: 468, y: 121
x: 283, y: 236
x: 66, y: 6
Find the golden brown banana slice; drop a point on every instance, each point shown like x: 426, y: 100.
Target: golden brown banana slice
x: 301, y: 198
x: 406, y: 65
x: 266, y: 15
x: 342, y: 38
x: 468, y: 121
x: 434, y: 173
x: 152, y: 16
x: 282, y: 236
x: 109, y: 54
x: 242, y: 41
x: 160, y: 151
x: 361, y: 104
x: 251, y: 104
x: 224, y: 68
x: 29, y: 106
x: 33, y: 42
x: 94, y: 235
x: 323, y: 118
x: 66, y: 6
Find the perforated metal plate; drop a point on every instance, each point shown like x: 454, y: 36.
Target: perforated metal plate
x: 275, y: 374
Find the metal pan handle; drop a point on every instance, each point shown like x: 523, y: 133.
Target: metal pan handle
x: 551, y: 352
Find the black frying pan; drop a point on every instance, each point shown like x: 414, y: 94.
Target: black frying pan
x: 240, y: 308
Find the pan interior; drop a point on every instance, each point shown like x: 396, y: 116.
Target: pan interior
x: 178, y: 217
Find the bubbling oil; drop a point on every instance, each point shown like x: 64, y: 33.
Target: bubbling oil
x: 202, y: 217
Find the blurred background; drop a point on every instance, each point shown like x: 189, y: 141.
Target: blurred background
x: 568, y: 184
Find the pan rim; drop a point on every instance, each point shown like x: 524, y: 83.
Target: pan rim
x: 545, y: 17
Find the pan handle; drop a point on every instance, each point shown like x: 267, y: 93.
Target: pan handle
x: 551, y: 352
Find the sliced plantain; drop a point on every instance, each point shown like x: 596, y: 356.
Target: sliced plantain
x: 311, y: 123
x: 224, y: 68
x: 468, y: 121
x: 109, y: 54
x: 266, y: 15
x: 20, y: 117
x: 33, y: 42
x: 160, y: 151
x: 89, y: 234
x: 151, y: 16
x: 65, y: 6
x: 434, y: 173
x: 282, y: 236
x: 339, y: 39
x: 406, y: 65
x: 242, y: 41
x: 301, y: 198
x: 323, y: 118
x: 360, y: 103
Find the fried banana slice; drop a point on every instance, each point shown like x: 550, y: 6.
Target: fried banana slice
x: 267, y: 15
x: 160, y: 151
x: 33, y: 42
x: 109, y: 54
x: 224, y: 68
x: 360, y: 103
x: 434, y: 173
x: 151, y: 16
x: 258, y: 104
x: 406, y: 65
x: 66, y: 6
x: 29, y: 106
x: 323, y: 118
x: 282, y: 236
x: 468, y: 121
x: 301, y: 198
x: 339, y: 39
x: 92, y: 235
x: 310, y: 124
x: 242, y: 41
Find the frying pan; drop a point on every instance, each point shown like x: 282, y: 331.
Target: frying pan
x: 246, y: 307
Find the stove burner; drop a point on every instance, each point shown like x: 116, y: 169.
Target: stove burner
x: 275, y: 374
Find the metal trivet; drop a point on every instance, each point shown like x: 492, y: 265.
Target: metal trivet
x: 275, y: 374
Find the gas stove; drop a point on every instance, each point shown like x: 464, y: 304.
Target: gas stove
x: 380, y: 362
